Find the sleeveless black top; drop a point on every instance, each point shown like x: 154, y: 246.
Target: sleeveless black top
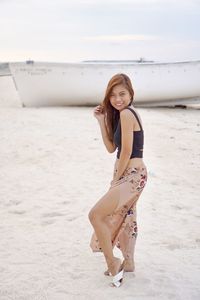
x: 138, y: 138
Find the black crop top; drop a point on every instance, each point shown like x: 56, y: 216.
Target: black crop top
x: 138, y: 138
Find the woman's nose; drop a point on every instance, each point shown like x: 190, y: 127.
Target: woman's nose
x: 118, y: 98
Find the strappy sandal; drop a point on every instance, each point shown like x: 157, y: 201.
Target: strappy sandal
x: 117, y: 279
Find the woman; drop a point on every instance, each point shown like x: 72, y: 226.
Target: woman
x: 114, y: 215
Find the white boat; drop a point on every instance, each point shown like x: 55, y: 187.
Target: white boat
x: 84, y: 83
x: 8, y: 93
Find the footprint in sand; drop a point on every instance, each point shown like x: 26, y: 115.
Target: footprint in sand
x: 52, y: 215
x: 73, y: 218
x: 13, y: 203
x: 174, y: 247
x: 64, y: 202
x: 198, y: 241
x: 178, y: 207
x: 48, y: 222
x: 17, y: 212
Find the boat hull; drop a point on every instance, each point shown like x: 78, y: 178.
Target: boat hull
x: 59, y: 84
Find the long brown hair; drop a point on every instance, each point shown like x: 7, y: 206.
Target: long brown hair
x: 111, y: 115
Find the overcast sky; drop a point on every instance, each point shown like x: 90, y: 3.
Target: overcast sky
x: 75, y: 30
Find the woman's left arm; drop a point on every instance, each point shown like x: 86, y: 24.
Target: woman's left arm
x: 127, y: 122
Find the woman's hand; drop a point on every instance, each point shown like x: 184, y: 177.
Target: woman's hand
x: 114, y: 181
x: 116, y: 178
x: 99, y: 113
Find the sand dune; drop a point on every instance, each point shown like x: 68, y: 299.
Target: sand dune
x: 54, y: 167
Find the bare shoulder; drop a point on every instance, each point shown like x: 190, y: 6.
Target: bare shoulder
x: 127, y: 114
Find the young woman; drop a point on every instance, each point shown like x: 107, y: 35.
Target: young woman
x: 114, y: 215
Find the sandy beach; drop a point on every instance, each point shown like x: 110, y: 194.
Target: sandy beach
x: 54, y: 167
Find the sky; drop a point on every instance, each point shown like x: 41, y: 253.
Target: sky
x: 78, y: 30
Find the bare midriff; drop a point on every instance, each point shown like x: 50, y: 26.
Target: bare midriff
x: 135, y: 162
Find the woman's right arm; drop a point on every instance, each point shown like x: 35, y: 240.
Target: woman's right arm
x: 110, y: 146
x: 98, y: 113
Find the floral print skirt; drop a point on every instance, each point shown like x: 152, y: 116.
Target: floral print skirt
x: 122, y: 222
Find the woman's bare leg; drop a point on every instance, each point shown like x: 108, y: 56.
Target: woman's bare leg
x: 127, y: 239
x: 105, y: 206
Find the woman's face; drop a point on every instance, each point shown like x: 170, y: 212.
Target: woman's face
x: 120, y: 97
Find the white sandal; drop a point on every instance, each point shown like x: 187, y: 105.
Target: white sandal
x: 117, y: 279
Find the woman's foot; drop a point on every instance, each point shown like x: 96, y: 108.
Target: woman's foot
x: 116, y: 270
x: 128, y: 266
x: 114, y: 266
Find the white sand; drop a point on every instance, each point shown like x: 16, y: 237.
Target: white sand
x: 54, y: 167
